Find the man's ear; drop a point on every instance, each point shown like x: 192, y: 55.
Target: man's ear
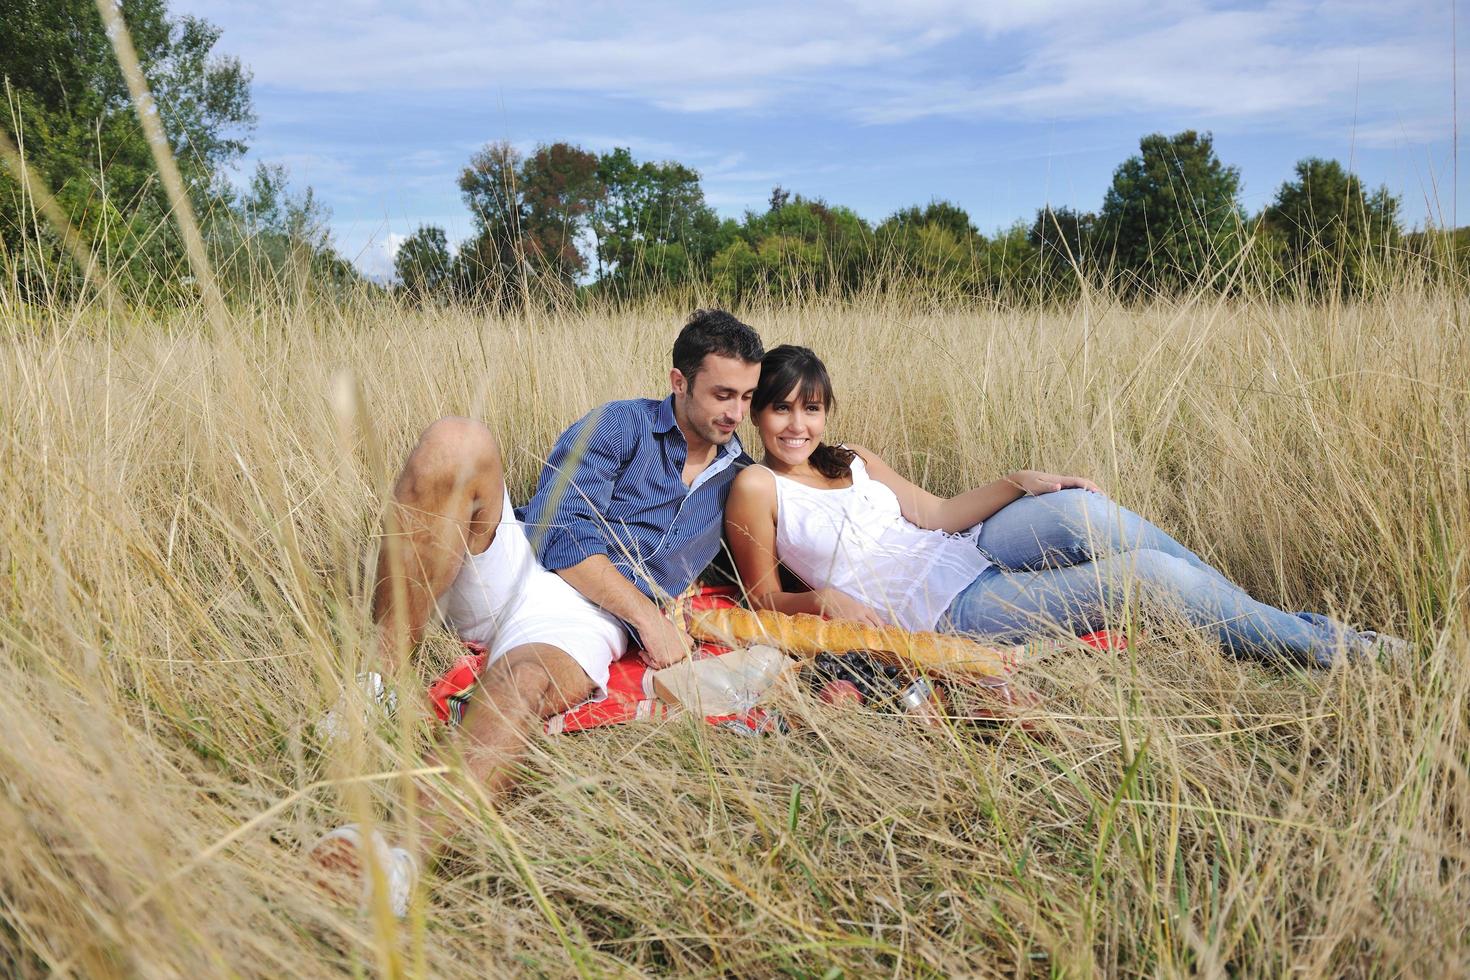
x: 678, y: 382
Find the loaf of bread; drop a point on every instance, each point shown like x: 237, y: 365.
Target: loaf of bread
x: 804, y: 635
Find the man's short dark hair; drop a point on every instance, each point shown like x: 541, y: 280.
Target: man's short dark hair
x: 714, y: 332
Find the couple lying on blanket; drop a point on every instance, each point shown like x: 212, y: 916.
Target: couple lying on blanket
x: 631, y: 507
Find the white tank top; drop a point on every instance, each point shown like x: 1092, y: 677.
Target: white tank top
x: 856, y: 540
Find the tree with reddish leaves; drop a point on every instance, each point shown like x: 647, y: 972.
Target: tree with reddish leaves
x: 529, y: 213
x: 559, y: 188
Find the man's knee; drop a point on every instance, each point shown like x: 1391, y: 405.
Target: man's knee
x: 538, y: 680
x: 453, y: 449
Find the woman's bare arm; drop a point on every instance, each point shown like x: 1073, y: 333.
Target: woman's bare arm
x: 956, y: 514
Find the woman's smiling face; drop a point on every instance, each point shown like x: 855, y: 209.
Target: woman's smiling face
x: 791, y: 427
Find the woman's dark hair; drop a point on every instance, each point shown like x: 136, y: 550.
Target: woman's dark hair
x: 791, y: 368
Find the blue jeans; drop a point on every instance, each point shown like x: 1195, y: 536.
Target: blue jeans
x: 1073, y: 560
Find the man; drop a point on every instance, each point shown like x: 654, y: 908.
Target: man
x: 626, y: 514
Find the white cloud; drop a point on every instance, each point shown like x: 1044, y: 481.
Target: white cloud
x: 870, y: 60
x: 640, y: 146
x: 671, y: 55
x: 1399, y: 132
x: 1354, y: 72
x: 1255, y: 63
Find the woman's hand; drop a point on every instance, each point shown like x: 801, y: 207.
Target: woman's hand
x: 840, y: 605
x: 1034, y: 483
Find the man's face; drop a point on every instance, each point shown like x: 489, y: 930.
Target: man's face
x: 710, y: 405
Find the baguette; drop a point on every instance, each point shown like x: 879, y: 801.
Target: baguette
x: 805, y: 635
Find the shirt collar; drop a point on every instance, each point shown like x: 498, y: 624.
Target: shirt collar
x: 729, y: 456
x: 663, y: 418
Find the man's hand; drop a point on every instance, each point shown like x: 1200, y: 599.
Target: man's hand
x: 1034, y: 483
x: 840, y: 605
x: 665, y: 642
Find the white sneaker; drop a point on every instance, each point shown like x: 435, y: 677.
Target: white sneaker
x: 1390, y: 650
x: 381, y: 699
x: 341, y: 851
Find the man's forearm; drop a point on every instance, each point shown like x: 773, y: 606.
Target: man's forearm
x: 599, y: 580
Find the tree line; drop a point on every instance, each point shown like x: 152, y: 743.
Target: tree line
x: 563, y: 219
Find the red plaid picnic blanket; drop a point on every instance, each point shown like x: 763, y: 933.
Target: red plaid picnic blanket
x: 630, y: 694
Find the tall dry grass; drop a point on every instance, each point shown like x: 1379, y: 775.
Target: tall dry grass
x: 187, y: 516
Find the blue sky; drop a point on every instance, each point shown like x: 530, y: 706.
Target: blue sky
x: 998, y: 107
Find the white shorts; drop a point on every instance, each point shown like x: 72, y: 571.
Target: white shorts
x: 503, y: 598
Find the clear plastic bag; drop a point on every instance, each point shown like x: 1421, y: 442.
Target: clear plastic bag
x: 727, y: 684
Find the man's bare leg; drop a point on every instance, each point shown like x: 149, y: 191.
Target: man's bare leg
x: 447, y: 503
x: 527, y: 685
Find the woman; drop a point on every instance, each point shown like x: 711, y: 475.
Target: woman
x: 1029, y: 553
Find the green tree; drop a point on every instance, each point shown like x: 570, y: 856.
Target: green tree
x: 68, y: 107
x: 790, y: 265
x: 652, y: 225
x: 935, y: 246
x: 836, y: 244
x: 1011, y: 265
x: 1171, y: 219
x: 736, y: 271
x: 941, y: 214
x: 269, y: 208
x: 423, y: 263
x: 272, y: 235
x: 491, y: 263
x: 1332, y: 232
x: 1442, y: 254
x: 1064, y: 241
x: 941, y: 260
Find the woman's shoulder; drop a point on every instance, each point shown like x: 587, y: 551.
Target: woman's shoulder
x: 752, y: 497
x: 753, y: 479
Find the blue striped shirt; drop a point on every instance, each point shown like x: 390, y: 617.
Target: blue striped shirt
x: 614, y: 486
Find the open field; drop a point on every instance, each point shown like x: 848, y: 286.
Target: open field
x: 187, y: 512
